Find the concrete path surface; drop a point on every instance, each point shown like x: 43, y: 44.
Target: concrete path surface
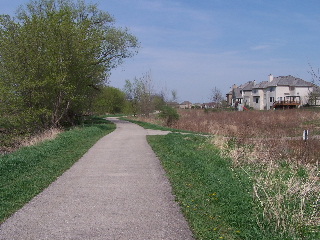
x: 117, y: 190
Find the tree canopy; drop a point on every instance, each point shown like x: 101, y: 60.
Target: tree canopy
x: 54, y: 57
x: 110, y: 100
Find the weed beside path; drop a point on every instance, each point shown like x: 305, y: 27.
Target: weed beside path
x: 25, y: 173
x: 215, y: 196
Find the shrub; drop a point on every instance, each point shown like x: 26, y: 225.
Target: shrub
x: 169, y: 114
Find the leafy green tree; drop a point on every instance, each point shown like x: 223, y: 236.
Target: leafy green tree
x: 54, y: 56
x: 109, y: 100
x: 158, y: 101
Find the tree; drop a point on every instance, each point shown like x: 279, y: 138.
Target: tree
x: 174, y: 96
x: 109, y: 100
x: 158, y: 101
x: 54, y: 56
x: 314, y: 95
x: 169, y: 114
x: 315, y: 74
x: 140, y: 94
x: 216, y: 97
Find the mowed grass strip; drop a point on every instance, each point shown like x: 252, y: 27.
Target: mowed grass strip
x: 152, y: 126
x: 215, y: 198
x: 25, y: 173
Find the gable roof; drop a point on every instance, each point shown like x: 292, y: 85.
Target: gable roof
x: 186, y: 103
x: 237, y: 92
x: 247, y: 86
x: 261, y: 85
x: 289, y: 81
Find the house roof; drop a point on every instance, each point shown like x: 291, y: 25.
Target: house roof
x: 185, y: 103
x: 237, y: 93
x: 261, y: 85
x: 247, y: 86
x: 289, y: 81
x: 172, y: 103
x: 210, y: 104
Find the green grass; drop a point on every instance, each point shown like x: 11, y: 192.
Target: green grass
x: 215, y: 198
x: 26, y: 172
x: 155, y: 127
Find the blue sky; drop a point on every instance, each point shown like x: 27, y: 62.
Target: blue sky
x: 192, y: 46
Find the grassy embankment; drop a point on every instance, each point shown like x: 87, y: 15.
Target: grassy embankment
x: 215, y: 200
x: 237, y: 188
x: 26, y: 172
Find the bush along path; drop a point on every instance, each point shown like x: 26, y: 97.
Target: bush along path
x: 215, y: 198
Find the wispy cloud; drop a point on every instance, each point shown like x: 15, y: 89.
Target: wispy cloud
x: 173, y: 7
x: 260, y: 47
x: 273, y: 44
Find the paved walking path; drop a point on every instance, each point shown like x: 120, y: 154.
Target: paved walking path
x: 117, y: 190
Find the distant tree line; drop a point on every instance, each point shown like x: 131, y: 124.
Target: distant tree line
x: 138, y: 97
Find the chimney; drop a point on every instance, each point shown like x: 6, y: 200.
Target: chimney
x: 270, y: 78
x: 254, y: 82
x: 234, y: 86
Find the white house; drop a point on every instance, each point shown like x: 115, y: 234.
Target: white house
x: 258, y: 95
x: 185, y: 105
x: 278, y: 92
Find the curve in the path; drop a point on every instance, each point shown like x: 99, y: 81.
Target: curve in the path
x: 117, y: 190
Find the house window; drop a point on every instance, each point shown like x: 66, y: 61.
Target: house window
x: 254, y: 91
x: 271, y: 99
x: 291, y: 88
x: 257, y: 100
x: 272, y: 89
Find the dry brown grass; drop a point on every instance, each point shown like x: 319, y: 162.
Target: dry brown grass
x: 15, y: 141
x: 48, y: 134
x: 249, y: 123
x: 268, y: 146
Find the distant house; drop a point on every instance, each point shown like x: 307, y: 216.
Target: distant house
x: 185, y: 105
x: 278, y: 92
x: 229, y: 98
x: 235, y: 96
x: 173, y: 104
x: 246, y: 93
x: 258, y: 100
x: 209, y: 105
x: 197, y: 105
